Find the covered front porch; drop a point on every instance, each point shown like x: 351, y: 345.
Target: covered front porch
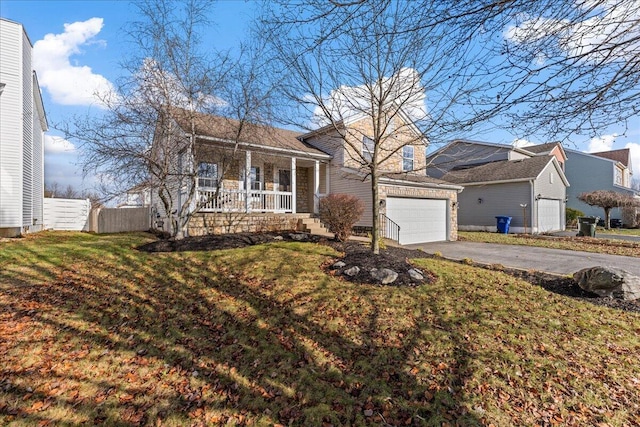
x: 259, y: 182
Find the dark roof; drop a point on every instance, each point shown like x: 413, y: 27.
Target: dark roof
x: 621, y: 155
x: 506, y: 170
x: 541, y: 148
x: 224, y: 128
x: 419, y: 179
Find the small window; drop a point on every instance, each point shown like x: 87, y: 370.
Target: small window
x: 207, y: 174
x: 256, y: 178
x: 550, y: 177
x: 407, y: 158
x: 367, y: 148
x: 618, y: 177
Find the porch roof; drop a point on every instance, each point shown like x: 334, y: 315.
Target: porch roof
x: 252, y: 135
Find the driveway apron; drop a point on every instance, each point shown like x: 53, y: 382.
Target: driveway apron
x: 556, y: 261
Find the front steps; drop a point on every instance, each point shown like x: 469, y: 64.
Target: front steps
x: 313, y: 226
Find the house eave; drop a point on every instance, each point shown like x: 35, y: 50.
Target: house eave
x: 287, y: 151
x: 392, y: 181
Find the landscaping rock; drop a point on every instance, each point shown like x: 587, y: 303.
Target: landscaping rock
x: 338, y: 264
x: 610, y: 282
x: 299, y: 237
x: 278, y: 238
x: 384, y: 275
x: 416, y: 274
x: 353, y: 271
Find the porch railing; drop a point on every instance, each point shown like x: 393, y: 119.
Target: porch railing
x: 388, y: 228
x: 237, y: 201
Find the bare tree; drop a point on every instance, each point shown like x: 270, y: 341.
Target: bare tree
x: 608, y: 200
x: 579, y: 62
x: 397, y: 66
x: 170, y: 72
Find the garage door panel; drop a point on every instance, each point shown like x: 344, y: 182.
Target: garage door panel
x: 420, y: 220
x: 549, y: 217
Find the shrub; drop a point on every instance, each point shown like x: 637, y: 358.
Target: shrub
x: 339, y: 212
x: 572, y: 216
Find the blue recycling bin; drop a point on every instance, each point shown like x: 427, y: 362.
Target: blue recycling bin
x: 502, y: 222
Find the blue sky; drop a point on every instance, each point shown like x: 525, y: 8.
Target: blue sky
x: 79, y: 44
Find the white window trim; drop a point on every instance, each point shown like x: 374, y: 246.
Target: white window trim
x: 214, y: 179
x: 367, y: 152
x: 406, y: 158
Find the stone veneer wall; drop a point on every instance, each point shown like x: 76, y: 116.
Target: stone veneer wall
x: 203, y: 224
x: 425, y: 193
x: 302, y: 190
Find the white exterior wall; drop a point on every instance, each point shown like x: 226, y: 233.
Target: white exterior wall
x: 21, y: 135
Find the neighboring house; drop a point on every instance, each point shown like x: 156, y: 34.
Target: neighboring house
x: 528, y: 184
x: 608, y: 170
x: 137, y: 197
x: 22, y: 126
x: 278, y: 176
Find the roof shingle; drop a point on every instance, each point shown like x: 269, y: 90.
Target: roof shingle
x: 506, y: 170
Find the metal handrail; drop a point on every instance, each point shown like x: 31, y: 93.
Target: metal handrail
x: 388, y: 228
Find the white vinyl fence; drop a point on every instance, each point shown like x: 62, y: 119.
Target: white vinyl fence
x: 66, y: 214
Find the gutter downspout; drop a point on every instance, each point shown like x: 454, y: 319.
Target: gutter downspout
x: 534, y: 208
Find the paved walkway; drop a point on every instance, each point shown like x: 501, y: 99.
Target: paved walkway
x: 529, y: 257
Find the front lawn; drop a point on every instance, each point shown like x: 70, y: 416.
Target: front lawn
x: 96, y: 332
x: 585, y: 244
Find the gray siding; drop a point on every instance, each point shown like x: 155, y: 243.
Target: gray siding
x: 462, y: 153
x: 549, y: 185
x: 497, y: 200
x: 590, y: 173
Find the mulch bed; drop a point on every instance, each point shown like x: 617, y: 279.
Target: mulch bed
x: 396, y: 259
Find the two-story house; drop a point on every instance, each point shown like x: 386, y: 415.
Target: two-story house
x: 22, y: 126
x: 527, y: 184
x: 270, y: 178
x: 608, y: 170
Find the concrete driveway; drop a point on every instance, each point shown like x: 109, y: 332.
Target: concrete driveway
x: 529, y: 257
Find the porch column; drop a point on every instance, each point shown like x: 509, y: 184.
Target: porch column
x: 293, y: 185
x: 247, y: 181
x: 316, y: 187
x: 327, y: 172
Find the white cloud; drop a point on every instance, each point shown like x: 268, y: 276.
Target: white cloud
x: 66, y: 83
x: 347, y: 102
x: 601, y: 143
x: 57, y: 144
x: 614, y: 25
x: 634, y: 149
x: 519, y: 143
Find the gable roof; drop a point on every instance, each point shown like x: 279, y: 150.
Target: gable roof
x: 623, y: 155
x: 505, y: 147
x: 503, y: 171
x: 223, y: 129
x: 406, y: 179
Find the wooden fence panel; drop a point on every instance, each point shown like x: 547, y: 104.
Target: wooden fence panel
x: 119, y: 220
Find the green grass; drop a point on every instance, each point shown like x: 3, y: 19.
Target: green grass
x: 585, y: 244
x: 620, y: 231
x: 94, y: 331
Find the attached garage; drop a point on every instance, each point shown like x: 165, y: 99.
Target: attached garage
x: 549, y: 215
x: 420, y: 220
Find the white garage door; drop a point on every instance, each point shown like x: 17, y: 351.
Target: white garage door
x: 420, y: 220
x: 548, y: 215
